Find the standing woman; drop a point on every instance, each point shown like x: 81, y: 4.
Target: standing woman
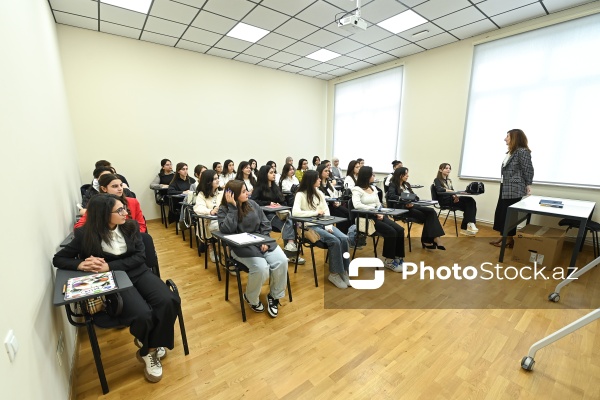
x: 239, y: 214
x: 315, y: 162
x: 164, y: 177
x: 302, y: 167
x: 335, y: 208
x: 351, y: 174
x: 109, y: 241
x: 432, y: 229
x: 466, y: 204
x: 517, y: 177
x: 244, y: 174
x: 208, y: 200
x: 253, y: 166
x: 310, y: 202
x: 364, y: 197
x: 181, y: 182
x: 228, y: 171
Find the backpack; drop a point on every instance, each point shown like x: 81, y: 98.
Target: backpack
x: 475, y: 187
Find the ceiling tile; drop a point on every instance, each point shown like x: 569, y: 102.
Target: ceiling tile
x: 322, y: 38
x: 406, y: 50
x: 337, y: 30
x: 344, y: 46
x: 520, y: 14
x: 357, y: 66
x: 76, y: 20
x: 305, y: 63
x: 371, y: 35
x: 221, y: 53
x: 164, y: 27
x: 301, y: 49
x: 270, y: 64
x: 308, y: 72
x: 413, y: 3
x: 213, y: 22
x: 319, y: 13
x: 495, y: 7
x: 257, y: 50
x: 201, y: 36
x: 380, y: 10
x: 122, y: 16
x: 193, y: 3
x: 393, y: 42
x: 438, y: 8
x: 276, y: 41
x: 474, y: 29
x: 463, y: 17
x: 340, y: 71
x: 287, y: 7
x: 185, y: 44
x: 348, y: 5
x: 173, y: 11
x: 296, y: 29
x: 431, y: 28
x: 264, y: 18
x: 82, y: 8
x: 325, y: 77
x: 381, y: 58
x: 363, y: 53
x: 342, y: 61
x: 290, y: 68
x: 557, y: 5
x: 284, y: 57
x: 120, y: 30
x: 233, y: 44
x: 235, y: 9
x: 437, y: 41
x: 247, y: 59
x: 323, y: 67
x: 160, y: 39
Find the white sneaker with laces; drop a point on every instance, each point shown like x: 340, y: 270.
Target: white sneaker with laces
x: 472, y: 228
x: 337, y: 280
x: 161, y: 352
x: 153, y: 367
x: 394, y: 265
x: 301, y: 260
x: 291, y: 246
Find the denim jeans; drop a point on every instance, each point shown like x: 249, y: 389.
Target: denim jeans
x: 337, y: 244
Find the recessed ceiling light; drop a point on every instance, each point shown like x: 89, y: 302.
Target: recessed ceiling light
x: 141, y: 6
x: 420, y: 33
x: 247, y: 32
x: 323, y: 55
x: 402, y: 22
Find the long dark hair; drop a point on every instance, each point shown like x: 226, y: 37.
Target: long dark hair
x: 307, y: 185
x: 272, y: 193
x: 284, y: 172
x: 315, y: 158
x: 240, y: 172
x: 250, y: 161
x: 176, y: 177
x: 364, y: 176
x: 324, y: 182
x: 397, y: 178
x: 205, y: 184
x: 162, y: 164
x: 300, y: 162
x: 236, y: 187
x: 105, y: 180
x: 198, y: 170
x: 350, y: 170
x: 96, y: 229
x: 226, y: 167
x: 439, y: 174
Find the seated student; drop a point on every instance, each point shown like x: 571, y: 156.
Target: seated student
x: 104, y: 163
x: 288, y: 178
x: 351, y: 174
x: 181, y: 182
x: 386, y: 182
x: 310, y: 202
x: 164, y: 177
x: 198, y: 170
x: 208, y: 200
x: 335, y: 208
x: 218, y: 168
x: 315, y: 163
x: 364, y: 197
x: 330, y: 178
x: 109, y: 241
x: 93, y: 188
x: 466, y: 204
x: 273, y: 165
x: 336, y: 172
x: 254, y: 167
x: 238, y: 214
x: 111, y: 184
x: 267, y: 193
x: 361, y: 162
x: 302, y: 167
x: 432, y: 229
x: 244, y: 174
x: 289, y: 160
x: 228, y: 171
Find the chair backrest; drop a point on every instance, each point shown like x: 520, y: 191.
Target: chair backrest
x: 434, y: 195
x: 84, y: 188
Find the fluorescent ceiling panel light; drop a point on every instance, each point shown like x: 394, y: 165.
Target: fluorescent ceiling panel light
x: 420, y: 33
x: 402, y: 22
x: 323, y: 55
x: 247, y: 32
x: 141, y: 6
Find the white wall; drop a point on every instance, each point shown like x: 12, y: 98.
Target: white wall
x: 40, y: 160
x: 134, y: 103
x: 434, y: 104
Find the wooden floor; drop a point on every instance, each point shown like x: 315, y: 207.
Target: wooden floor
x: 313, y: 352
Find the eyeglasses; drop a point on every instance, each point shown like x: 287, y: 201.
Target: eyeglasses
x: 121, y: 211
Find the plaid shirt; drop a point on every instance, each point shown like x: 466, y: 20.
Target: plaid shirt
x: 517, y: 174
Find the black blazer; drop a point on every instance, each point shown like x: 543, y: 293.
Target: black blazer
x: 394, y: 194
x: 264, y: 198
x: 133, y: 261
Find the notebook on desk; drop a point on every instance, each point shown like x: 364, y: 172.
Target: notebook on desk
x: 96, y: 284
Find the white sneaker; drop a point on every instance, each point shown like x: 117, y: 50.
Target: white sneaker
x: 472, y: 228
x: 212, y: 257
x: 161, y: 352
x: 301, y: 260
x: 153, y: 367
x: 467, y: 232
x: 337, y: 280
x: 346, y: 279
x: 394, y: 265
x: 291, y: 246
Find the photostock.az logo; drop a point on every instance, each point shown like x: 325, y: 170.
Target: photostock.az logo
x: 366, y: 284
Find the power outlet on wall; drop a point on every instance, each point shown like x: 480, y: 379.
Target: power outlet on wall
x: 60, y: 348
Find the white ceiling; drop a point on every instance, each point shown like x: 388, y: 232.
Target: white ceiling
x: 300, y: 27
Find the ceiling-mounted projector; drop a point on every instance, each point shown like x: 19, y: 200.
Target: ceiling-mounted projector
x: 353, y: 22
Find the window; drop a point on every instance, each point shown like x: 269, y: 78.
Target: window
x: 366, y: 119
x: 546, y: 82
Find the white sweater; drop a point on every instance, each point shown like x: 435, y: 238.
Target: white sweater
x: 287, y: 183
x: 302, y: 208
x: 362, y: 200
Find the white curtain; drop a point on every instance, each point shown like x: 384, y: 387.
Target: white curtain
x: 367, y: 119
x: 547, y: 83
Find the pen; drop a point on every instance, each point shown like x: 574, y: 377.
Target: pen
x: 64, y: 288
